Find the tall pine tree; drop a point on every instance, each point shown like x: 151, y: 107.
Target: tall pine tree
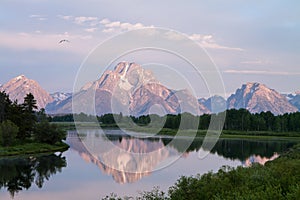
x: 29, y: 116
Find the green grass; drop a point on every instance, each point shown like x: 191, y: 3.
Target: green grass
x: 32, y: 148
x: 225, y: 133
x: 72, y: 126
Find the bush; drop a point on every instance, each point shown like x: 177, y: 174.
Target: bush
x: 8, y: 133
x: 48, y: 133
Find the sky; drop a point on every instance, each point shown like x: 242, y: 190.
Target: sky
x: 249, y: 41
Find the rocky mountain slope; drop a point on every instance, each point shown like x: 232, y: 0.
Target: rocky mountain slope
x: 18, y: 87
x: 132, y: 90
x: 257, y: 98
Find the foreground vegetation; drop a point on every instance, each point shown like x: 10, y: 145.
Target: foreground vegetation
x: 23, y: 130
x: 278, y: 179
x: 32, y: 148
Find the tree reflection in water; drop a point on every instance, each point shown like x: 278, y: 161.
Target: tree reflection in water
x: 19, y: 173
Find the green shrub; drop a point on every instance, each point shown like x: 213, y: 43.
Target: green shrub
x: 48, y: 133
x: 8, y: 133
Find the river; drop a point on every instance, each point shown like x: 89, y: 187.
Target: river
x: 99, y: 163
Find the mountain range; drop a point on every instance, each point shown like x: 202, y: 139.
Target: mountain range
x: 133, y: 90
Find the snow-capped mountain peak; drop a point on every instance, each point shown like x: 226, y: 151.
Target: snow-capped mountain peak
x: 257, y: 97
x: 18, y: 87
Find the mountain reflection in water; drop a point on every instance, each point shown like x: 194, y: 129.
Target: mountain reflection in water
x: 125, y: 168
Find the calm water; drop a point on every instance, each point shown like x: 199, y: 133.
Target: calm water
x: 79, y: 173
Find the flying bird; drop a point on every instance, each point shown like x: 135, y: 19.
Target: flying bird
x: 64, y: 40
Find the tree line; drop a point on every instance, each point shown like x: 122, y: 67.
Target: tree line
x: 238, y: 120
x: 20, y: 123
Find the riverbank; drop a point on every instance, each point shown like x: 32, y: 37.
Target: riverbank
x: 32, y: 149
x: 192, y: 133
x: 277, y: 179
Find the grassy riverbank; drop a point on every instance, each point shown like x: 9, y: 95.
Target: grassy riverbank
x: 224, y: 134
x: 278, y: 179
x: 32, y: 148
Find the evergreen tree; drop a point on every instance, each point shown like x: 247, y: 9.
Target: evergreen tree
x: 48, y: 133
x: 8, y: 133
x: 5, y: 103
x: 29, y: 117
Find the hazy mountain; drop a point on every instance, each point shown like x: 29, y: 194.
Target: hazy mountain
x: 60, y: 96
x: 17, y: 88
x: 132, y: 90
x: 214, y: 104
x: 257, y: 98
x: 294, y: 99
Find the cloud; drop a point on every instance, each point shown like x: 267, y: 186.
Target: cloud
x: 83, y: 20
x: 117, y: 26
x: 256, y: 62
x: 260, y: 72
x: 207, y: 41
x: 65, y: 17
x: 113, y: 27
x: 39, y: 17
x: 105, y: 21
x: 42, y: 18
x: 90, y: 30
x: 35, y: 16
x: 173, y: 35
x: 108, y: 30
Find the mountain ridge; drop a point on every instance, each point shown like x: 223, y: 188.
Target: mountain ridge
x: 133, y: 90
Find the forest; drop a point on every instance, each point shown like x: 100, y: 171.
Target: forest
x: 236, y: 120
x: 23, y: 123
